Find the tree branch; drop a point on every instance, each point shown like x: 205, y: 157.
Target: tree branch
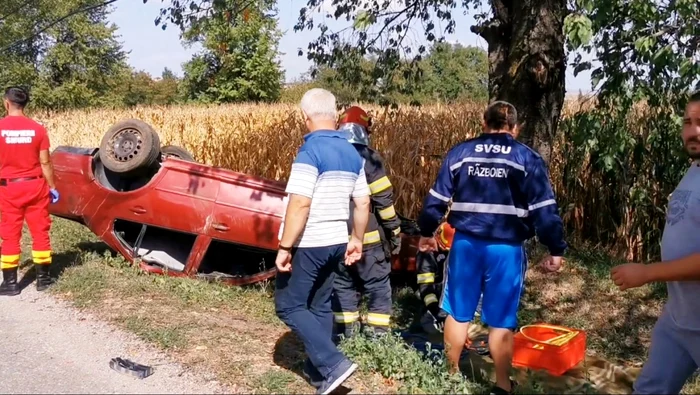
x: 488, y: 30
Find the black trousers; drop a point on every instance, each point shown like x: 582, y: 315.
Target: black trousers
x: 370, y: 276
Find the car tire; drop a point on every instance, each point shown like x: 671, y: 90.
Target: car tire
x: 129, y: 147
x: 178, y: 152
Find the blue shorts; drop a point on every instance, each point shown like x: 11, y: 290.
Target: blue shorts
x: 493, y: 267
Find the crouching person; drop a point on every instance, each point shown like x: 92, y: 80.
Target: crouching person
x: 430, y: 269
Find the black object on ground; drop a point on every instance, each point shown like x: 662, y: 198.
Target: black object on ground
x: 126, y: 366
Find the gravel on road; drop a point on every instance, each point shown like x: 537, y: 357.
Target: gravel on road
x: 49, y: 347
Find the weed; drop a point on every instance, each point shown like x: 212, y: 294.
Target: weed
x: 390, y: 356
x: 166, y: 337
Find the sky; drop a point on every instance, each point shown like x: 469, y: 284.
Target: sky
x: 152, y: 49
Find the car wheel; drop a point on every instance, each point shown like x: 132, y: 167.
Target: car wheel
x: 177, y: 152
x: 129, y: 147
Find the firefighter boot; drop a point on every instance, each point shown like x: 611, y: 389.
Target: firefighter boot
x: 43, y: 278
x: 9, y: 286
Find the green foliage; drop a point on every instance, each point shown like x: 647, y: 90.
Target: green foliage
x: 239, y: 61
x: 646, y: 49
x: 142, y: 89
x: 393, y: 358
x: 456, y: 73
x: 636, y: 158
x: 396, y: 64
x: 75, y: 63
x: 450, y: 73
x: 648, y: 54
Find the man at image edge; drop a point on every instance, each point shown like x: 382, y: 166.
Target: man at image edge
x: 674, y: 353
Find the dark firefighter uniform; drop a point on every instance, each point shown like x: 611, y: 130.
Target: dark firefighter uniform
x: 430, y: 268
x: 24, y: 195
x: 381, y: 239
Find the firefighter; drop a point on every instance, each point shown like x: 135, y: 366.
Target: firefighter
x: 26, y: 188
x: 381, y: 240
x: 430, y: 266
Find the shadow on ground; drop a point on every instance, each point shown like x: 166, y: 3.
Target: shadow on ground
x: 289, y: 354
x: 62, y: 260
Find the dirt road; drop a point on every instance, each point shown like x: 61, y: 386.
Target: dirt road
x: 49, y: 347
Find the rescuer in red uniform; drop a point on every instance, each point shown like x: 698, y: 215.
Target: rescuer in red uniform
x: 26, y: 187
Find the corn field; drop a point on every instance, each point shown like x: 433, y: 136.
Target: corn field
x: 262, y: 140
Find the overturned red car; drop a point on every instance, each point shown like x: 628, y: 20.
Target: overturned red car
x: 158, y: 207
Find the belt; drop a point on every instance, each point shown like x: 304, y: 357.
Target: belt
x: 5, y: 181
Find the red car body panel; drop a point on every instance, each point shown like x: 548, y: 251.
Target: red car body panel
x: 209, y: 202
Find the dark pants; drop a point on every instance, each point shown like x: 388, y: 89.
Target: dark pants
x: 371, y: 275
x: 303, y: 302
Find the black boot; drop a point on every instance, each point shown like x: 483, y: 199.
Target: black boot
x: 9, y: 286
x: 43, y: 278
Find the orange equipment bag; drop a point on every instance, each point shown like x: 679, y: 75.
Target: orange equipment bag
x: 555, y: 349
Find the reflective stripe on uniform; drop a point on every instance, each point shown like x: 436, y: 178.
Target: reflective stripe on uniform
x: 346, y: 317
x: 370, y: 237
x: 426, y: 278
x: 489, y: 209
x: 396, y: 231
x: 387, y: 213
x: 41, y: 257
x: 430, y: 298
x: 9, y: 258
x: 378, y: 319
x: 9, y: 261
x: 379, y: 185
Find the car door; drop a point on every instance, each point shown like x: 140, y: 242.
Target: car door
x: 179, y: 199
x: 248, y: 210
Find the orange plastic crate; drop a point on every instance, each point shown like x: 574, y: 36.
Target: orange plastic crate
x: 531, y: 350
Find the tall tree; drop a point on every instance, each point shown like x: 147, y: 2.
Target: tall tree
x: 239, y: 61
x: 453, y: 73
x: 525, y: 48
x: 646, y: 48
x: 449, y: 73
x: 525, y: 37
x: 84, y: 63
x: 166, y: 89
x: 66, y: 62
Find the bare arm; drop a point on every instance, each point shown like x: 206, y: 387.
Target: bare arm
x: 295, y: 219
x: 47, y: 168
x: 360, y: 217
x: 684, y: 269
x: 361, y: 198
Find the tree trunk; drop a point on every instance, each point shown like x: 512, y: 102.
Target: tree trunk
x: 527, y: 64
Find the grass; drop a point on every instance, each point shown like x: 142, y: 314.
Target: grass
x: 234, y: 332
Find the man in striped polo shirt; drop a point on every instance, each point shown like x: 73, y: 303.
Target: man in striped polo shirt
x: 326, y: 174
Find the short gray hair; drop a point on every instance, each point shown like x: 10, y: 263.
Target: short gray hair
x: 319, y: 105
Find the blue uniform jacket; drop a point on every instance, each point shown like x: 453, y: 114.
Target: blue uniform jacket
x: 500, y: 190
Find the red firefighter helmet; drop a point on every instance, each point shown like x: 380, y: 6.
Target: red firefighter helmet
x: 356, y: 121
x: 356, y: 115
x: 444, y: 236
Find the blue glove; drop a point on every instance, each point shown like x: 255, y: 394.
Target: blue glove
x: 54, y: 195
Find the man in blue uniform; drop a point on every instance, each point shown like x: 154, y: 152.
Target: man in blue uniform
x: 501, y: 196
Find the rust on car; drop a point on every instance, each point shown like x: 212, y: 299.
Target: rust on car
x: 177, y: 217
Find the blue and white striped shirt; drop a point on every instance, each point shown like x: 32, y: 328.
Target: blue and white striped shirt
x: 330, y: 172
x: 499, y: 189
